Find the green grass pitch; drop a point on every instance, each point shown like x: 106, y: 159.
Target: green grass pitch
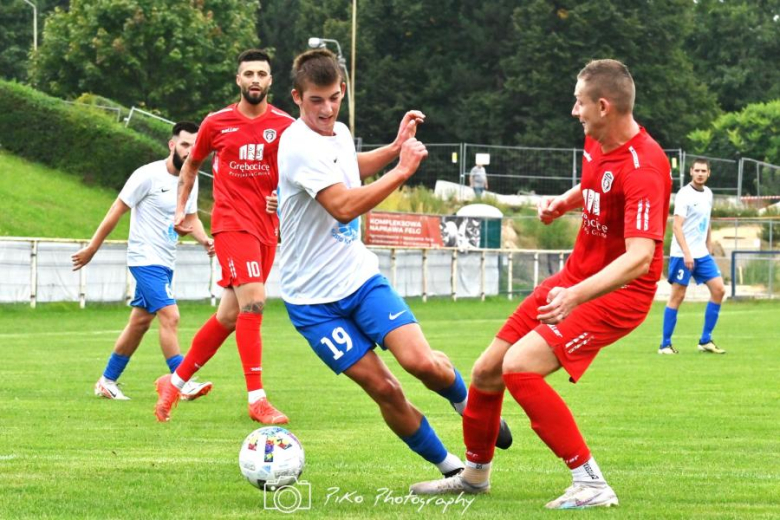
x: 686, y: 436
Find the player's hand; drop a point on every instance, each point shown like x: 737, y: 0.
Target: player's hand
x: 82, y: 257
x: 208, y: 245
x: 408, y: 127
x: 179, y: 226
x: 688, y: 261
x: 413, y: 152
x: 271, y: 202
x: 561, y: 303
x: 550, y: 208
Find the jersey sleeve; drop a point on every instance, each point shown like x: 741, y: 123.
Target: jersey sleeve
x: 644, y: 190
x: 136, y: 188
x: 315, y: 174
x: 203, y: 143
x: 681, y: 204
x: 192, y: 201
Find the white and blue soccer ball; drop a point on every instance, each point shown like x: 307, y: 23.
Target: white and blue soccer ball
x: 271, y: 457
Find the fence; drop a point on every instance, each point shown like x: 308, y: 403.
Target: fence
x: 36, y: 270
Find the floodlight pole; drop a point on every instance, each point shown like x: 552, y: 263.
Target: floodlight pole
x: 35, y: 23
x: 319, y: 43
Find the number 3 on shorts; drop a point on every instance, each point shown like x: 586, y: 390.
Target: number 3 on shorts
x: 680, y: 274
x: 341, y: 337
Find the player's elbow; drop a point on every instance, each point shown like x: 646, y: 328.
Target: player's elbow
x: 643, y: 262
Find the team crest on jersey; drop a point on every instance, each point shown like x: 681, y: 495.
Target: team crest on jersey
x: 269, y: 135
x: 606, y: 182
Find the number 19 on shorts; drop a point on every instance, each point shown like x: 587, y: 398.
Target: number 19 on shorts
x: 341, y: 337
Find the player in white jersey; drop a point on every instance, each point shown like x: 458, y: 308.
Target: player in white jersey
x: 331, y: 284
x: 690, y: 257
x: 150, y: 195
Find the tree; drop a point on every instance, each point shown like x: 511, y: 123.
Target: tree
x: 16, y: 35
x: 553, y: 42
x: 174, y: 55
x: 733, y: 46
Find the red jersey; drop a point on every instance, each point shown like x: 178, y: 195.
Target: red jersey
x: 625, y: 194
x: 245, y: 168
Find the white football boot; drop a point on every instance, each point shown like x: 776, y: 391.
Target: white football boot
x: 580, y: 496
x: 109, y: 389
x: 447, y: 486
x: 194, y: 389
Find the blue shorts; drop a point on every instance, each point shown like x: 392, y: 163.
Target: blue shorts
x: 342, y: 332
x: 704, y: 270
x: 152, y: 287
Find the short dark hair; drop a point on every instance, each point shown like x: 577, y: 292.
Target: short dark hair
x: 184, y: 126
x: 705, y: 162
x: 610, y: 79
x: 254, y: 55
x: 317, y: 66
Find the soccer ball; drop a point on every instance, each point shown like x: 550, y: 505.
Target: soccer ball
x: 271, y: 457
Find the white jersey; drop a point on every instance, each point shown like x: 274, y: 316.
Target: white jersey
x: 322, y: 260
x: 151, y: 193
x: 696, y: 207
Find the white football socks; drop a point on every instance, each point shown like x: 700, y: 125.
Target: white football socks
x: 255, y: 395
x: 177, y: 381
x: 588, y: 473
x: 450, y: 463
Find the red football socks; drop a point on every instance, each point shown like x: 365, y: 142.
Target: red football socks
x: 481, y: 421
x: 250, y: 348
x: 550, y: 418
x: 205, y: 344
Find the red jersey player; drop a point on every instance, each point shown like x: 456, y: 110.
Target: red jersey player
x: 603, y: 293
x: 245, y: 139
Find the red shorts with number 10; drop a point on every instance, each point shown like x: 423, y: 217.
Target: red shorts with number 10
x: 243, y: 258
x: 577, y: 339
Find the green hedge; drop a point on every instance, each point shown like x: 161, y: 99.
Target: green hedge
x: 46, y: 130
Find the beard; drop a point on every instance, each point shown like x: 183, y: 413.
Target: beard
x: 178, y: 162
x: 254, y: 99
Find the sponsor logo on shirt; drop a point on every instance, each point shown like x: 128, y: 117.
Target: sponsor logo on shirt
x: 229, y: 130
x: 269, y: 135
x: 346, y: 233
x: 592, y: 226
x: 606, y: 182
x: 592, y: 201
x: 251, y: 152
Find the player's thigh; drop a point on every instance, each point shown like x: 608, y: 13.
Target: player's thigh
x: 169, y: 316
x: 140, y: 319
x: 242, y: 258
x: 531, y: 353
x: 336, y: 339
x: 379, y: 311
x: 152, y: 287
x: 678, y: 272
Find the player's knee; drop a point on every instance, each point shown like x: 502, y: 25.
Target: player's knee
x: 485, y: 373
x: 424, y: 367
x: 254, y: 307
x: 142, y: 323
x: 718, y: 292
x: 170, y: 319
x: 386, y: 391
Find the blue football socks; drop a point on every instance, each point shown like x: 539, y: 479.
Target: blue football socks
x: 116, y: 365
x: 174, y: 362
x: 710, y: 319
x: 670, y: 321
x: 426, y: 443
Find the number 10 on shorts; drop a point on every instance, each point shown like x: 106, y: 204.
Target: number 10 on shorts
x: 341, y: 337
x: 253, y: 268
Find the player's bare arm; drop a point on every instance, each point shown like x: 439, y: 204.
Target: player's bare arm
x: 84, y: 255
x: 550, y: 208
x: 677, y: 229
x: 199, y: 233
x: 369, y: 163
x: 630, y: 265
x: 187, y: 176
x: 346, y: 204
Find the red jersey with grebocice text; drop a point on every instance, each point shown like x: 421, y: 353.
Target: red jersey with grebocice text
x: 625, y: 194
x: 245, y: 168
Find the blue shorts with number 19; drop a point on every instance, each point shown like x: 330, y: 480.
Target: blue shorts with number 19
x: 342, y: 332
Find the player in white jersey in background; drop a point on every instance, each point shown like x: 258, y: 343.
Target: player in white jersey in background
x: 150, y: 194
x: 331, y: 284
x: 690, y: 256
